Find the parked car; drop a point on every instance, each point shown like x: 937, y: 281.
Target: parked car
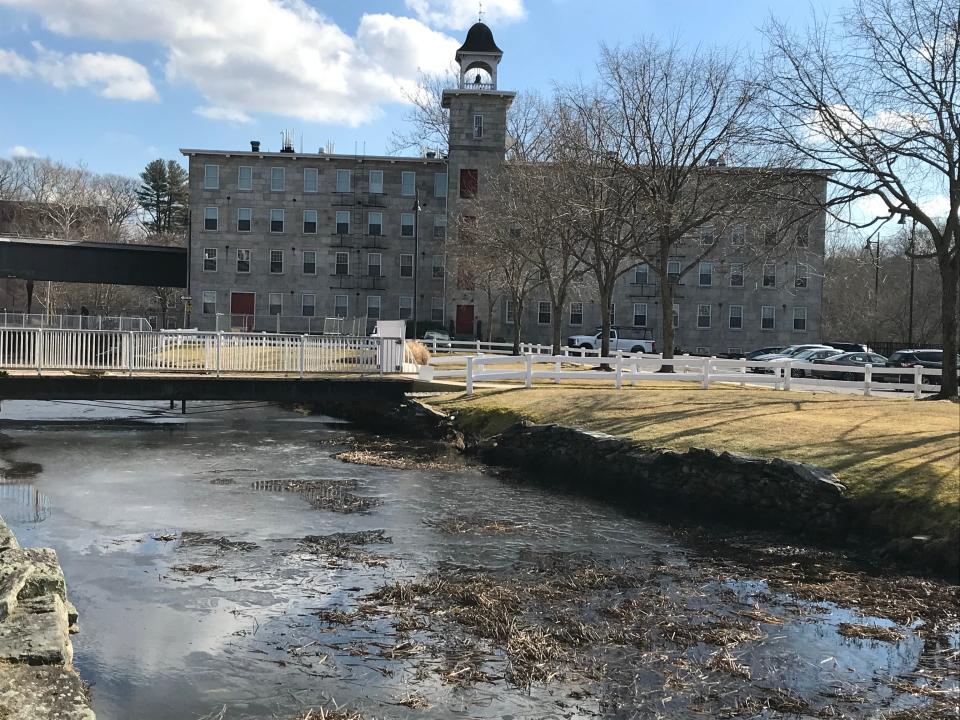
x: 754, y: 354
x: 618, y: 341
x: 809, y: 356
x: 787, y: 352
x: 436, y: 338
x: 833, y: 366
x: 911, y: 358
x: 849, y: 347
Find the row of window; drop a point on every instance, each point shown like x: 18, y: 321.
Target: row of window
x: 341, y: 305
x: 641, y: 274
x: 344, y: 180
x: 310, y: 218
x: 308, y: 266
x: 737, y: 235
x: 768, y: 316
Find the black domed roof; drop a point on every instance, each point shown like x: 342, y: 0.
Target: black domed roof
x: 479, y: 39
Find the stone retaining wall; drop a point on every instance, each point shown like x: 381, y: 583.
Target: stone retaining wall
x: 37, y: 680
x: 718, y: 486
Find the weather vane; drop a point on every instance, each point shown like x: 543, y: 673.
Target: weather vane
x: 480, y: 11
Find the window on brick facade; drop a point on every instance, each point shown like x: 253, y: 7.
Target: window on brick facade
x: 439, y: 227
x: 209, y: 302
x: 308, y: 306
x: 576, y: 313
x: 735, y: 320
x: 276, y: 220
x: 244, y: 219
x: 343, y: 222
x: 375, y: 223
x: 344, y: 181
x: 768, y: 317
x: 278, y: 179
x: 341, y: 306
x: 641, y: 274
x: 406, y: 266
x: 736, y: 274
x: 342, y: 263
x: 639, y: 314
x: 209, y: 259
x: 211, y: 177
x: 245, y: 177
x: 469, y: 182
x: 374, y: 264
x: 769, y: 275
x: 440, y: 185
x: 704, y: 316
x: 802, y: 277
x: 406, y: 224
x: 478, y: 127
x: 373, y: 307
x: 508, y: 312
x: 437, y: 266
x: 309, y: 262
x: 406, y: 307
x: 706, y: 274
x: 375, y: 182
x: 310, y: 222
x: 408, y: 183
x: 675, y: 318
x: 673, y: 271
x: 276, y: 261
x: 436, y: 309
x: 544, y: 313
x: 211, y: 218
x: 800, y: 319
x: 311, y: 180
x: 275, y: 303
x: 243, y: 260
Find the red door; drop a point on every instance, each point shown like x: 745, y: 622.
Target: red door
x: 464, y: 319
x: 242, y: 309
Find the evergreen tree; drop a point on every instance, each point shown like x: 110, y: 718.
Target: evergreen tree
x: 163, y: 195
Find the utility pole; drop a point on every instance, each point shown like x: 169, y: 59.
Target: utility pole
x: 871, y: 245
x: 913, y: 261
x: 416, y: 257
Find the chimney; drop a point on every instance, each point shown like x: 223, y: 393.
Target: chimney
x: 721, y: 161
x: 431, y: 154
x: 712, y: 162
x: 254, y: 146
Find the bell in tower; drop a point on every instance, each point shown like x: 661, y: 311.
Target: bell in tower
x: 478, y: 58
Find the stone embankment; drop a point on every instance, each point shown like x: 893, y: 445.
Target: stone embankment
x: 37, y: 679
x: 718, y: 486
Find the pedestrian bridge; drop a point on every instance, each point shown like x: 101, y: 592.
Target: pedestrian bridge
x: 48, y: 364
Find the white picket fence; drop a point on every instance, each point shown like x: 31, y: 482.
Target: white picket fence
x: 41, y: 349
x: 633, y: 368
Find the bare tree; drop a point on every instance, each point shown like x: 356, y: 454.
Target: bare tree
x: 686, y: 143
x: 875, y: 100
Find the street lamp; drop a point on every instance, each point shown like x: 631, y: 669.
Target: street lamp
x: 876, y: 268
x: 416, y: 257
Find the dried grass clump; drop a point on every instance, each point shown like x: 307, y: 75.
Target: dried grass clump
x: 415, y: 351
x: 869, y: 632
x: 472, y: 523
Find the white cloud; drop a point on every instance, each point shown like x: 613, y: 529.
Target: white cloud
x: 219, y: 113
x: 114, y: 76
x: 13, y: 64
x: 22, y: 151
x: 458, y: 15
x: 265, y: 56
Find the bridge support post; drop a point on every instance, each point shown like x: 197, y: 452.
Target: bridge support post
x: 219, y: 346
x: 38, y: 349
x: 303, y: 354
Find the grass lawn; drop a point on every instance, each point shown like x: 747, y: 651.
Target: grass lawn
x: 900, y: 459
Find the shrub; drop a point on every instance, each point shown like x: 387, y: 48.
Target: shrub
x: 415, y: 351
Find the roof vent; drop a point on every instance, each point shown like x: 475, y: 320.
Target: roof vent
x: 254, y: 146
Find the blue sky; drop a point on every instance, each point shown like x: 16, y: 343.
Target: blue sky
x: 116, y: 83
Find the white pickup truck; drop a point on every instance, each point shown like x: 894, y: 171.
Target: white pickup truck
x: 617, y: 342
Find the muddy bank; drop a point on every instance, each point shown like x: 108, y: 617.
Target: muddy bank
x: 37, y: 679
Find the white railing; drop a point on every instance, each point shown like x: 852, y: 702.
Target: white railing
x: 191, y: 352
x: 632, y: 368
x: 74, y: 322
